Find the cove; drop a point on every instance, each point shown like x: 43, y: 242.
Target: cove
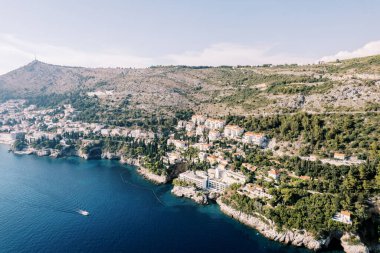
x: 39, y: 198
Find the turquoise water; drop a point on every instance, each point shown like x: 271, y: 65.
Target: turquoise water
x: 39, y: 198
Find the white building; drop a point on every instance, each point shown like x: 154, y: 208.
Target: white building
x: 198, y: 119
x: 202, y: 146
x: 215, y: 123
x: 274, y: 174
x: 255, y: 191
x: 173, y: 157
x: 190, y: 126
x: 200, y: 130
x: 199, y: 179
x: 343, y: 216
x: 214, y: 135
x: 258, y: 139
x: 181, y: 124
x: 178, y: 143
x: 232, y: 131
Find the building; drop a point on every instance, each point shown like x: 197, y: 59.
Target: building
x: 339, y: 156
x: 217, y: 185
x: 255, y: 191
x: 306, y: 178
x: 178, y: 143
x: 198, y: 119
x: 275, y: 174
x: 249, y: 167
x: 200, y: 130
x: 212, y: 159
x: 343, y: 216
x: 190, y: 126
x: 173, y: 157
x: 181, y: 124
x: 232, y: 131
x: 215, y: 123
x: 202, y: 156
x: 214, y: 135
x: 258, y: 139
x: 202, y: 146
x: 199, y: 179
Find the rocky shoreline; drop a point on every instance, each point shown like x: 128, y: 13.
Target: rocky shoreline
x: 190, y: 192
x: 266, y: 227
x: 151, y: 176
x: 299, y: 238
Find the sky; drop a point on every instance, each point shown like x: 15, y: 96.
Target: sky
x: 142, y: 33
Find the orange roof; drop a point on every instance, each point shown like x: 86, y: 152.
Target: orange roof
x: 273, y: 172
x: 346, y: 213
x: 305, y: 177
x: 233, y: 127
x: 254, y: 134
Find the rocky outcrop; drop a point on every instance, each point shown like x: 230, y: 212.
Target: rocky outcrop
x: 43, y: 152
x: 352, y: 244
x: 190, y: 192
x: 151, y: 176
x: 93, y: 153
x: 130, y: 161
x: 110, y: 156
x: 268, y: 229
x: 213, y: 195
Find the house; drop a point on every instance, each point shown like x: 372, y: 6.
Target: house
x: 200, y: 130
x: 343, y: 216
x: 214, y: 135
x: 202, y: 156
x: 178, y: 143
x: 198, y: 119
x: 190, y: 126
x: 255, y: 191
x: 202, y: 146
x: 258, y: 139
x: 339, y: 156
x: 215, y: 123
x: 306, y: 178
x: 249, y: 167
x: 173, y: 157
x: 212, y: 159
x: 181, y: 124
x: 232, y: 131
x: 275, y: 174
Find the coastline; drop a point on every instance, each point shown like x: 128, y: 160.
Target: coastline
x: 267, y: 229
x: 151, y: 176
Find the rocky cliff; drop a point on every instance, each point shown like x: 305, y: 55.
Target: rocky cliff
x: 190, y: 192
x: 268, y: 229
x: 151, y: 176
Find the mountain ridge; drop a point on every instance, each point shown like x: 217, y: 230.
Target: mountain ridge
x: 243, y: 90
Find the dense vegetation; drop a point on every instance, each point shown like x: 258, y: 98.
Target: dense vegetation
x: 322, y: 134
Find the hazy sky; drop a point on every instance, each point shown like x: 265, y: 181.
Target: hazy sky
x: 199, y: 32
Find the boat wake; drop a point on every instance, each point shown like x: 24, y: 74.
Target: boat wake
x: 46, y: 207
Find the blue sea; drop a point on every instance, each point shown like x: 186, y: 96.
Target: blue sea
x: 40, y: 197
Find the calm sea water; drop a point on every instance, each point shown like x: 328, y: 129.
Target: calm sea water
x: 39, y: 198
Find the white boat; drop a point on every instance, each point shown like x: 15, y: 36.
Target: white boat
x: 83, y: 212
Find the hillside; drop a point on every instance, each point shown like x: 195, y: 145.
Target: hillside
x: 351, y: 85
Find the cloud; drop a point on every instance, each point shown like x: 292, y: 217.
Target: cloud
x: 233, y: 54
x: 371, y: 48
x: 15, y: 52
